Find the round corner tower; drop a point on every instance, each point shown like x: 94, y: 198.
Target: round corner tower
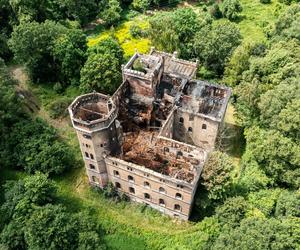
x: 99, y: 133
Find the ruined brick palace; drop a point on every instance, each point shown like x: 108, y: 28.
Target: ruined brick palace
x: 152, y: 136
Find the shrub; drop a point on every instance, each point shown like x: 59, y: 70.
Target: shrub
x: 288, y: 2
x: 265, y: 1
x: 58, y: 88
x: 215, y: 11
x: 232, y: 211
x: 59, y: 107
x: 231, y: 8
x: 135, y: 31
x: 141, y: 5
x: 216, y: 175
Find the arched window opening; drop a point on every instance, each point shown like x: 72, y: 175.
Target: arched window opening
x: 116, y: 173
x: 204, y: 126
x: 92, y: 166
x: 130, y: 178
x: 146, y: 184
x: 92, y: 156
x: 177, y: 207
x: 162, y: 202
x: 118, y: 185
x: 178, y: 196
x: 131, y: 190
x: 147, y: 196
x: 179, y: 154
x: 190, y: 129
x: 181, y: 120
x: 162, y: 190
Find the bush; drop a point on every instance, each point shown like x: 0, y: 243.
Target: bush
x: 141, y: 5
x: 111, y: 12
x: 265, y: 1
x: 231, y: 8
x: 216, y: 175
x: 288, y: 2
x: 215, y: 11
x: 59, y: 108
x: 35, y: 146
x: 135, y: 31
x: 232, y: 211
x: 58, y: 88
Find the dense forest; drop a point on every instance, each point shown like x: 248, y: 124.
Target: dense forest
x: 52, y: 51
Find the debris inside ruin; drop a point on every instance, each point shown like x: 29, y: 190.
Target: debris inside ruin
x: 204, y: 98
x: 139, y: 148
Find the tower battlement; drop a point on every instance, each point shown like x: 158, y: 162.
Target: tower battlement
x: 92, y: 112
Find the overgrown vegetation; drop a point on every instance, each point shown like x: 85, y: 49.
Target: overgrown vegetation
x: 252, y: 46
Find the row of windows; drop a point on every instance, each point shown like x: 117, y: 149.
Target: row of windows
x: 178, y: 154
x: 89, y: 146
x: 147, y: 196
x: 87, y: 155
x: 86, y: 145
x: 181, y: 120
x: 116, y: 173
x: 147, y: 185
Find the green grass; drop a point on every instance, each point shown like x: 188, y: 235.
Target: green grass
x: 255, y: 18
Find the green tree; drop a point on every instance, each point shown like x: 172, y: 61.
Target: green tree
x: 232, y: 212
x: 101, y: 72
x: 275, y: 101
x: 231, y: 9
x: 237, y: 64
x: 258, y: 233
x: 216, y: 175
x: 287, y: 25
x: 10, y: 110
x: 28, y: 10
x: 252, y: 177
x: 51, y: 227
x: 141, y: 5
x: 277, y: 155
x: 50, y: 51
x: 175, y: 30
x: 264, y: 200
x: 111, y: 12
x: 90, y: 241
x: 288, y: 122
x: 12, y: 235
x: 20, y: 199
x: 215, y: 11
x: 214, y: 44
x: 39, y: 189
x: 110, y: 46
x: 82, y: 11
x: 69, y: 51
x: 288, y: 204
x: 90, y: 232
x: 36, y: 147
